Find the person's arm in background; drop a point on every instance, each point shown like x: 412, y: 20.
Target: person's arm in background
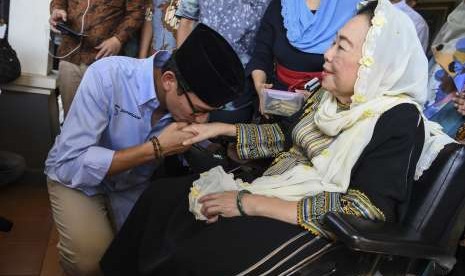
x: 185, y: 28
x: 145, y: 47
x: 188, y: 13
x: 460, y: 103
x: 58, y: 13
x: 130, y: 24
x: 261, y: 64
x: 423, y: 35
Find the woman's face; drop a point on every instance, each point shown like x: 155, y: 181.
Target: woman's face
x: 342, y: 59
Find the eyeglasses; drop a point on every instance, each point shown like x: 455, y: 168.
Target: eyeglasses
x: 195, y: 111
x: 184, y: 90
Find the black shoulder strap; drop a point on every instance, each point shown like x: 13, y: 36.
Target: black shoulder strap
x: 4, y: 10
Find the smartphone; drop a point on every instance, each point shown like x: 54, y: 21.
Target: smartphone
x: 66, y: 30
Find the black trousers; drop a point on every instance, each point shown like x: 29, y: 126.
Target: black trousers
x: 161, y: 237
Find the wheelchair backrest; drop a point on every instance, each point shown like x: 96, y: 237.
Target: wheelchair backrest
x: 437, y: 203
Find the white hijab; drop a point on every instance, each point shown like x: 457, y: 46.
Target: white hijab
x: 393, y: 70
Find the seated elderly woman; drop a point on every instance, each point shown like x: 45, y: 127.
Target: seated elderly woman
x: 355, y: 148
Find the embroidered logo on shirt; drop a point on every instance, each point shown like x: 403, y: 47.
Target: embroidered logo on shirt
x: 118, y: 109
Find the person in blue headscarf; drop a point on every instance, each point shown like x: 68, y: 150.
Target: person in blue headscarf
x: 291, y: 41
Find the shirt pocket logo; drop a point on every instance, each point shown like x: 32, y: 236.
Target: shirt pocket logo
x: 118, y: 109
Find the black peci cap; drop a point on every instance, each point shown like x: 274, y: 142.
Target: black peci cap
x: 209, y: 67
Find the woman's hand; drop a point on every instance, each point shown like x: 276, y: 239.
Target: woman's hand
x: 459, y: 100
x: 224, y: 204
x: 259, y: 80
x: 203, y: 132
x: 260, y: 88
x: 306, y: 93
x: 219, y: 204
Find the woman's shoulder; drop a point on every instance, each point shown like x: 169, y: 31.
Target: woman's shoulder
x: 402, y: 119
x: 406, y: 112
x: 274, y: 7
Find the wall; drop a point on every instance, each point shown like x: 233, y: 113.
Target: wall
x: 29, y: 34
x: 25, y: 118
x: 25, y: 126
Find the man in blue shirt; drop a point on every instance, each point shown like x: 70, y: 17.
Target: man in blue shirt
x: 118, y: 130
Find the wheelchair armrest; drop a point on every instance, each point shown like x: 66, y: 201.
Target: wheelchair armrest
x: 385, y: 238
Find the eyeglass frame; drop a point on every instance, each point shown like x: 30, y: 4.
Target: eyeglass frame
x: 183, y: 87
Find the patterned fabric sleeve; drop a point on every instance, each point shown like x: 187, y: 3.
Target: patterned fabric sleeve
x: 188, y: 9
x: 259, y: 141
x: 132, y: 21
x: 354, y: 202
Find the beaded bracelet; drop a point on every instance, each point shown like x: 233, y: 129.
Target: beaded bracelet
x: 240, y: 194
x: 148, y: 14
x: 157, y: 151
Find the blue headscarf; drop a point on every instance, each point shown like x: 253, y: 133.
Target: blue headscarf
x: 314, y: 33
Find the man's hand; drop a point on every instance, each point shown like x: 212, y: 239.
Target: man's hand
x: 172, y: 137
x: 109, y: 47
x: 56, y: 16
x: 459, y: 101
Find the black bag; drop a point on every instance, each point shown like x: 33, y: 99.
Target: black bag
x: 10, y: 68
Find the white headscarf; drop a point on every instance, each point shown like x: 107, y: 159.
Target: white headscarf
x: 393, y: 70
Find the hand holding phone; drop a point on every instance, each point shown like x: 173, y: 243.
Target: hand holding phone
x: 56, y: 16
x: 66, y: 30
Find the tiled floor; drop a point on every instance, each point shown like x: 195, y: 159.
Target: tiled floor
x: 30, y: 248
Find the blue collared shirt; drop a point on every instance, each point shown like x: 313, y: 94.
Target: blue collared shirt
x: 112, y: 110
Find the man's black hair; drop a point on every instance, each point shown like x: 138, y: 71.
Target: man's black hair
x: 170, y: 65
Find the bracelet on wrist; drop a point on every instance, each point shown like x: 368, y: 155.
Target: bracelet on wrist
x: 157, y: 150
x: 240, y: 207
x: 148, y: 14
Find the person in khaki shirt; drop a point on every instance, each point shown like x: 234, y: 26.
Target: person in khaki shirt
x: 107, y: 25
